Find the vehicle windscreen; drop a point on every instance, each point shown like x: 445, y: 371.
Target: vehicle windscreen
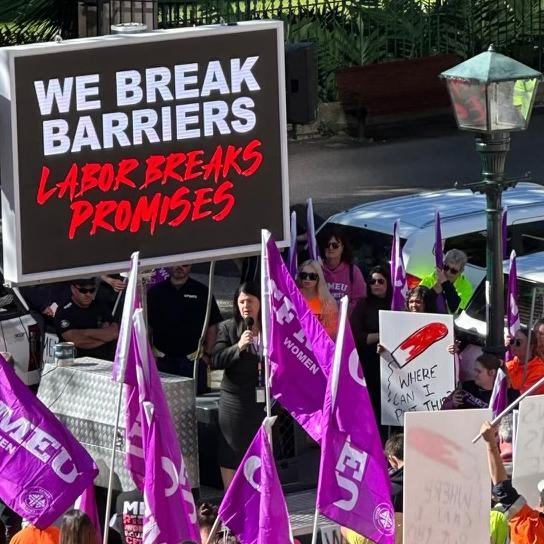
x: 477, y: 305
x: 525, y: 238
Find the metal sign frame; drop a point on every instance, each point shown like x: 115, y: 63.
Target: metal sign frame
x: 9, y: 155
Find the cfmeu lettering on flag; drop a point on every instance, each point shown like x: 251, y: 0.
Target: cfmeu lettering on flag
x: 153, y: 106
x: 20, y: 431
x: 295, y: 340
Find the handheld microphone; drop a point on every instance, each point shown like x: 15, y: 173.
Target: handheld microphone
x: 249, y: 322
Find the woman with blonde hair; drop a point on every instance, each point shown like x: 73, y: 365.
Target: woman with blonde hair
x: 312, y: 285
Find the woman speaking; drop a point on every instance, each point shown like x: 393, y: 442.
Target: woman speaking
x: 237, y: 351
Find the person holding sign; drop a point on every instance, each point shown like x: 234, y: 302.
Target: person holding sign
x: 365, y: 326
x: 237, y: 351
x: 477, y: 393
x: 526, y: 523
x: 312, y: 285
x: 421, y: 299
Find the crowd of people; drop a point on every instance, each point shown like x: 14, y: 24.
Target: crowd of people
x: 184, y: 334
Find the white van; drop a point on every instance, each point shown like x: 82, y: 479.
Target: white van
x: 369, y: 227
x: 471, y: 323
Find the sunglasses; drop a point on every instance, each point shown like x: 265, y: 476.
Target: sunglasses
x: 450, y: 269
x: 86, y: 290
x: 379, y: 281
x: 333, y: 245
x: 308, y: 276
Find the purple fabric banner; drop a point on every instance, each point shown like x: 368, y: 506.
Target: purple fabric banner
x: 299, y: 348
x: 505, y: 233
x: 170, y: 515
x: 123, y: 372
x: 254, y: 508
x: 439, y: 259
x: 512, y: 312
x: 310, y: 231
x: 499, y: 395
x: 131, y: 302
x: 398, y: 273
x: 44, y: 468
x: 86, y: 502
x: 293, y: 257
x: 353, y: 488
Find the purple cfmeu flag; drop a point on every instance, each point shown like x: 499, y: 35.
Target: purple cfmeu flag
x: 126, y: 373
x: 293, y: 257
x: 170, y: 512
x: 438, y: 258
x: 499, y: 398
x: 130, y: 304
x: 512, y: 312
x: 44, y: 468
x: 86, y: 502
x: 505, y: 233
x: 298, y: 347
x: 253, y: 507
x: 310, y: 231
x: 398, y: 273
x: 353, y: 488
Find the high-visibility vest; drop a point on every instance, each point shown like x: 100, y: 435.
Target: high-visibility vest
x: 523, y: 93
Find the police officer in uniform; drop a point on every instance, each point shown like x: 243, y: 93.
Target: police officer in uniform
x: 176, y: 308
x: 86, y: 322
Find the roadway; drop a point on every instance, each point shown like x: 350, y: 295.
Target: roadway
x: 340, y: 172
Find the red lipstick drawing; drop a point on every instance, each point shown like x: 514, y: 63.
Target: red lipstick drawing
x: 417, y: 343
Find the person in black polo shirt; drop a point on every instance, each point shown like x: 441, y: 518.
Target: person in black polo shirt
x: 87, y: 323
x: 176, y: 308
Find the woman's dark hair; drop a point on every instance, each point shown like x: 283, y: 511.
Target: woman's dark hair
x: 425, y: 294
x: 249, y: 288
x: 383, y: 271
x: 329, y: 232
x: 489, y: 361
x: 77, y: 528
x: 206, y: 515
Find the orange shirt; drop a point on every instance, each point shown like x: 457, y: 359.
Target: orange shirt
x: 315, y: 306
x: 527, y: 527
x: 535, y: 371
x: 328, y: 316
x: 32, y: 535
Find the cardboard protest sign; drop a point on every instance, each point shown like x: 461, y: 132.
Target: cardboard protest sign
x: 528, y: 451
x: 172, y: 143
x: 417, y: 371
x: 447, y: 489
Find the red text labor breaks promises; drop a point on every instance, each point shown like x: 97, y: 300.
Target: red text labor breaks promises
x: 172, y: 143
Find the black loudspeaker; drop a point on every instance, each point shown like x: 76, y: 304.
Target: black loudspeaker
x: 301, y: 82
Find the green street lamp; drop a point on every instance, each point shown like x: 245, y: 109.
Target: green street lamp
x: 493, y: 95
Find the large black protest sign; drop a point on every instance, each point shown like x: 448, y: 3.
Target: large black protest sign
x: 170, y: 143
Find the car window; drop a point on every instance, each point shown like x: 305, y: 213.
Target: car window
x: 473, y: 244
x: 477, y: 305
x: 370, y: 248
x: 526, y: 238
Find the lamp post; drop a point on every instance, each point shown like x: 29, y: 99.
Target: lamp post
x: 493, y: 95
